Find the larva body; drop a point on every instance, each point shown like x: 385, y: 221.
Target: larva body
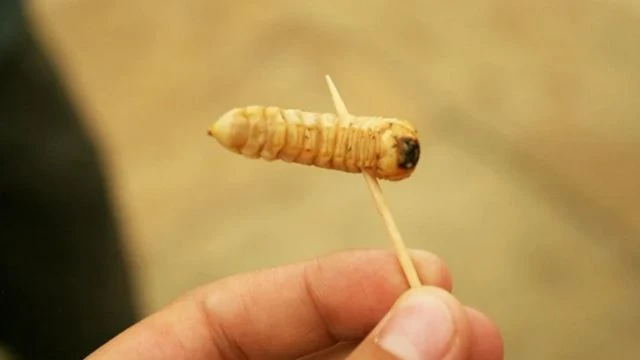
x: 387, y: 148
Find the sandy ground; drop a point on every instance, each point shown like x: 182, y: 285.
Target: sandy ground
x: 528, y: 114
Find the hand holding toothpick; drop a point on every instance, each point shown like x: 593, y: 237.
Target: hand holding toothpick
x: 235, y: 318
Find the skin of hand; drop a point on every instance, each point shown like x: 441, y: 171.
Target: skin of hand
x: 348, y: 305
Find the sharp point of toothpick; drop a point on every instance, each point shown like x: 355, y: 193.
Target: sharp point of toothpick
x: 341, y: 108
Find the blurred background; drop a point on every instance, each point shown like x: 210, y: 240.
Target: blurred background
x: 528, y: 186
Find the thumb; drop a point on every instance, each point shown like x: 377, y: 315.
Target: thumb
x: 426, y: 323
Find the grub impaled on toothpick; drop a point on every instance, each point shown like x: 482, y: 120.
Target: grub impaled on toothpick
x: 377, y: 147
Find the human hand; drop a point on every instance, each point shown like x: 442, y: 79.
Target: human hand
x: 334, y: 307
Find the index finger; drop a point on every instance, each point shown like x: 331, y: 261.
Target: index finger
x: 284, y: 312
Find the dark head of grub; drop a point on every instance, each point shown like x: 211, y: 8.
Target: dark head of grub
x: 408, y: 153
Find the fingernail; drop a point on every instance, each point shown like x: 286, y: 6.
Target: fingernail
x: 419, y: 327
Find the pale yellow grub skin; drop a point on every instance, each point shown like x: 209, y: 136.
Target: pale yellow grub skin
x: 386, y: 148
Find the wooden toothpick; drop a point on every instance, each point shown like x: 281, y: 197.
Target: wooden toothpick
x: 401, y: 250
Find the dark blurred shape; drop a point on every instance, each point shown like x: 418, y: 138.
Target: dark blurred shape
x: 64, y: 284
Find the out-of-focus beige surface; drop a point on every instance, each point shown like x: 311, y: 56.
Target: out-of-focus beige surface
x: 528, y: 113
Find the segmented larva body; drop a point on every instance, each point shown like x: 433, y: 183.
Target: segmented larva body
x: 387, y: 148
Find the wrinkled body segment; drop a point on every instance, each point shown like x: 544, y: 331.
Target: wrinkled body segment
x: 386, y: 148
